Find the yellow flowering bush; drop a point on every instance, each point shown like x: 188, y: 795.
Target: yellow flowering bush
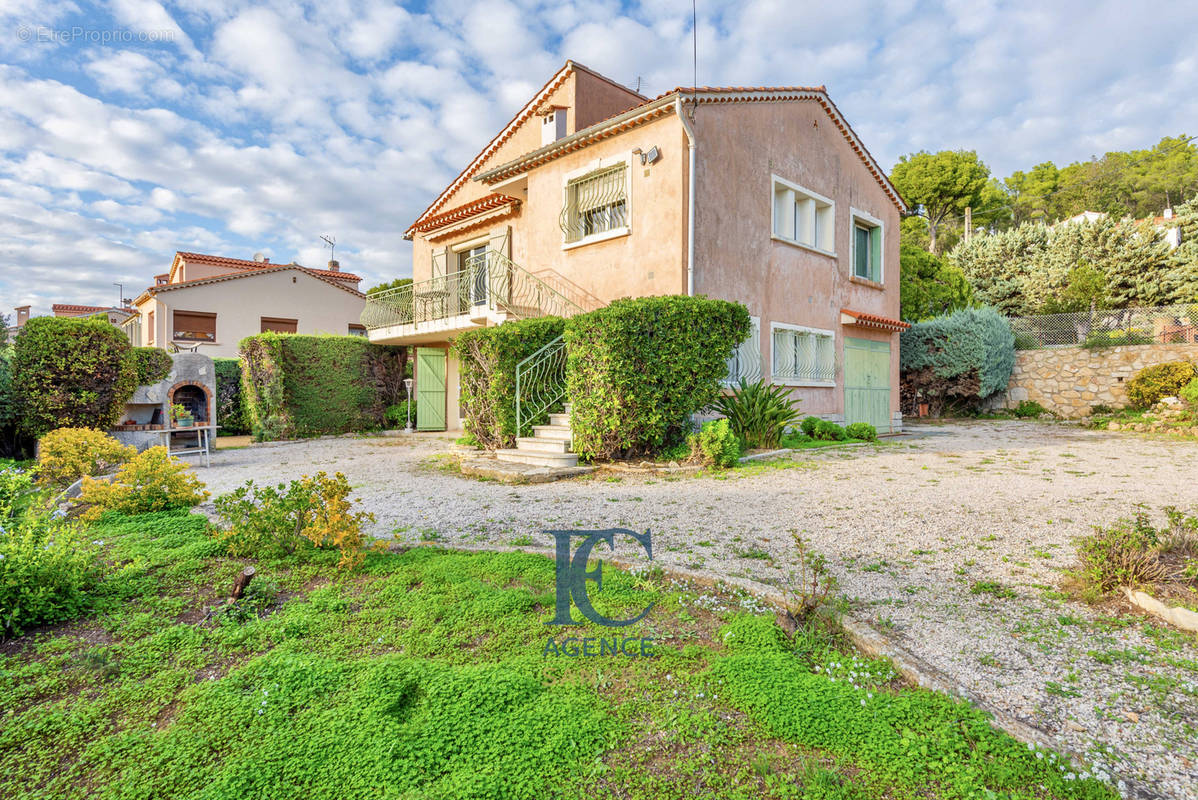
x: 151, y: 481
x: 276, y: 520
x: 67, y: 454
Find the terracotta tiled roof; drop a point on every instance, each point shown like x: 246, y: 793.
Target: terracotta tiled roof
x: 865, y: 320
x: 488, y: 203
x: 68, y: 307
x: 662, y: 104
x: 528, y: 110
x: 319, y: 274
x: 241, y: 263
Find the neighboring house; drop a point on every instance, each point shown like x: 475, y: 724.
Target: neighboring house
x: 1165, y: 224
x: 210, y: 303
x: 764, y: 196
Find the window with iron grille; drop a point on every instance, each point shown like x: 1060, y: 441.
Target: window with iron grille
x: 596, y: 203
x: 746, y: 358
x: 803, y: 356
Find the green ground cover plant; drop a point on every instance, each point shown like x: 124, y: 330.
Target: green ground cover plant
x: 424, y: 673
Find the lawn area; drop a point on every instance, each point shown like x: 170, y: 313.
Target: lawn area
x: 424, y: 673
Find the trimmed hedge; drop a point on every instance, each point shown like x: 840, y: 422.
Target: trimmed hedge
x: 230, y: 410
x: 637, y: 369
x: 296, y: 386
x: 8, y: 408
x: 488, y: 359
x: 152, y: 364
x: 71, y: 372
x: 963, y: 357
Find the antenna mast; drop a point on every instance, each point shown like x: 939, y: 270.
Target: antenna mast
x: 331, y: 241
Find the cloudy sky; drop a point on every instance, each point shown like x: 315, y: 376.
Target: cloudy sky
x: 132, y: 129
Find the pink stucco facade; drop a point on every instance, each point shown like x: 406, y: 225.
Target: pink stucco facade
x: 742, y: 147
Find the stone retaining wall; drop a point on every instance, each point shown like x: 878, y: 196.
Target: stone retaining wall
x: 1069, y: 380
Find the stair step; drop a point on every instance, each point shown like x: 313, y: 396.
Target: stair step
x: 569, y: 409
x: 560, y: 419
x: 539, y: 459
x: 561, y: 432
x: 536, y: 444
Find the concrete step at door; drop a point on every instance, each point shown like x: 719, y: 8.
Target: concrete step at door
x: 561, y: 432
x: 560, y: 419
x: 537, y: 444
x: 538, y: 458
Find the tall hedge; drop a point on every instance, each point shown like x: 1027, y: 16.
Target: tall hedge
x: 637, y: 369
x: 230, y: 410
x: 963, y: 357
x: 488, y: 359
x: 152, y: 364
x: 70, y: 372
x: 297, y: 386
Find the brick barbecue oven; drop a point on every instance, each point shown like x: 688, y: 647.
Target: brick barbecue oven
x: 191, y: 384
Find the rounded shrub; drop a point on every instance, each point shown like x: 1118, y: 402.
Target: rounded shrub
x: 861, y: 430
x: 67, y: 454
x: 71, y: 372
x: 807, y: 426
x: 965, y: 356
x: 829, y: 431
x: 47, y: 566
x: 1160, y: 380
x: 716, y: 444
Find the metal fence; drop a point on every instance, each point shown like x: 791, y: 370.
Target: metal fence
x: 1108, y: 328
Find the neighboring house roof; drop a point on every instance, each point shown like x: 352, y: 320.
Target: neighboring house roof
x: 530, y: 109
x: 68, y: 309
x: 245, y: 264
x: 664, y: 104
x: 875, y: 321
x: 491, y: 202
x: 318, y: 274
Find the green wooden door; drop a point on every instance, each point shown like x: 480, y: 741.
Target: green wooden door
x: 867, y: 383
x: 430, y: 389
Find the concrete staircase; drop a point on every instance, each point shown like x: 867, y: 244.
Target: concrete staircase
x: 549, y: 446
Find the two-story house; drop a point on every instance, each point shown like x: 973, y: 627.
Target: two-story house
x: 210, y: 303
x: 593, y: 192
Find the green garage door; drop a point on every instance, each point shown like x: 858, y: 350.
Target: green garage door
x: 867, y: 383
x: 430, y: 389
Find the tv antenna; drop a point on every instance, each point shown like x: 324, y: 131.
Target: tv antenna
x: 331, y: 241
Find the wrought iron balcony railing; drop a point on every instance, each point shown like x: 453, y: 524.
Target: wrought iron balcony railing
x: 490, y: 282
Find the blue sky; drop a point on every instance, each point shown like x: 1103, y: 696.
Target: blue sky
x: 132, y: 129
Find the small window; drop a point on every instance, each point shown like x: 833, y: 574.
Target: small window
x: 595, y: 204
x: 746, y: 358
x: 804, y: 217
x: 867, y: 248
x: 279, y: 325
x: 803, y: 356
x: 357, y: 330
x: 194, y: 326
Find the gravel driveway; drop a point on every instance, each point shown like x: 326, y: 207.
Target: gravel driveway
x: 909, y: 526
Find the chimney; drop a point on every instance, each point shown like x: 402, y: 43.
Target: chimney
x: 335, y: 266
x: 22, y: 315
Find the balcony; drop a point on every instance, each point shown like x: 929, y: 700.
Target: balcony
x: 490, y: 290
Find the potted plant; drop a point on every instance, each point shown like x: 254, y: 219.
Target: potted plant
x: 181, y: 416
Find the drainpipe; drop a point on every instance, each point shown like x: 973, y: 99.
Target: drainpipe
x: 690, y: 200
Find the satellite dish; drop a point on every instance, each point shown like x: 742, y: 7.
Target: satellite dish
x: 259, y: 257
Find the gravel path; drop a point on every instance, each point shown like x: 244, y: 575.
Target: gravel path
x: 908, y: 526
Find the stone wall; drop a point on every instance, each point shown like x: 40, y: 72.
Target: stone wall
x: 1069, y: 380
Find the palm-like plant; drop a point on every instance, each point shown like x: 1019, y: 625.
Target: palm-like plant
x: 758, y: 413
